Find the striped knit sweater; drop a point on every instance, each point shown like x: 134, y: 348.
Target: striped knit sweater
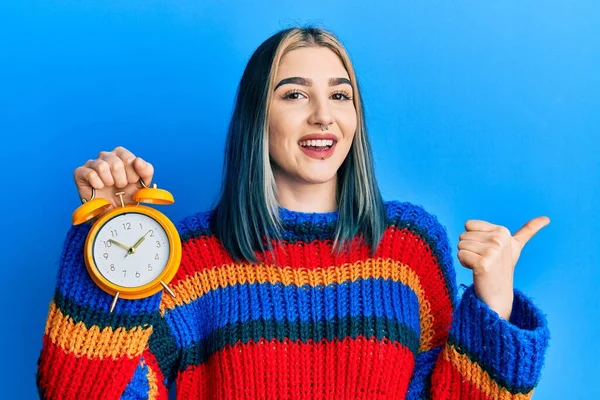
x: 317, y: 326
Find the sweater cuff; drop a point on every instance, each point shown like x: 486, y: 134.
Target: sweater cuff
x: 510, y: 352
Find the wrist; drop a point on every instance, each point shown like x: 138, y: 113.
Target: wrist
x: 501, y: 303
x: 503, y: 307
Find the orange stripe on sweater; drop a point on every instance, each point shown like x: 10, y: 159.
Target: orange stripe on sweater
x: 454, y: 367
x: 77, y: 339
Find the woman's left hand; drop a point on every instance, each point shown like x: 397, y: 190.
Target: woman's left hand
x: 491, y: 252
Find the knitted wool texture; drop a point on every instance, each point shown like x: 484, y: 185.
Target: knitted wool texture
x: 317, y: 326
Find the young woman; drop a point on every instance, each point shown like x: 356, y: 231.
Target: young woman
x: 302, y: 283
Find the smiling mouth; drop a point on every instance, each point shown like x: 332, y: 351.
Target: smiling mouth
x: 319, y: 145
x: 318, y: 151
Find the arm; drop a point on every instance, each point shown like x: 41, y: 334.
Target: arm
x: 89, y: 353
x: 479, y: 354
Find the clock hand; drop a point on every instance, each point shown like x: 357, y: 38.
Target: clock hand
x: 135, y: 246
x: 119, y: 244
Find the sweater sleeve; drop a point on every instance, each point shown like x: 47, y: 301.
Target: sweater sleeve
x: 481, y: 355
x: 89, y: 353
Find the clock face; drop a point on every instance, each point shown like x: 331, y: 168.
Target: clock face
x: 131, y: 249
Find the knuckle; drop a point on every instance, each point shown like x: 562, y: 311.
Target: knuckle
x: 89, y: 174
x: 79, y: 174
x: 120, y: 149
x: 503, y: 231
x: 116, y: 164
x: 102, y: 166
x: 122, y: 152
x: 497, y: 241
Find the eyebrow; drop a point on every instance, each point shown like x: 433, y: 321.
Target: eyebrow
x: 308, y: 82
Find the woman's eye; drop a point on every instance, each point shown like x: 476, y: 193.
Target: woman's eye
x: 290, y: 95
x: 345, y: 96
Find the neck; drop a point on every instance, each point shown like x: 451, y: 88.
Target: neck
x: 306, y: 197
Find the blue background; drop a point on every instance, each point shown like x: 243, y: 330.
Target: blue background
x: 477, y: 110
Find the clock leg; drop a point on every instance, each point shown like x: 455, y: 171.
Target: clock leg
x: 168, y: 289
x: 114, y: 302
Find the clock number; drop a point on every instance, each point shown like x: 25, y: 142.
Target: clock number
x: 105, y: 255
x: 156, y: 257
x: 141, y: 226
x: 157, y: 243
x: 137, y: 274
x: 107, y: 243
x: 112, y: 267
x: 149, y: 267
x: 151, y: 233
x: 124, y: 273
x: 127, y: 226
x: 114, y: 233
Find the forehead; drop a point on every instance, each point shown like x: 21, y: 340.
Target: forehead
x: 318, y: 63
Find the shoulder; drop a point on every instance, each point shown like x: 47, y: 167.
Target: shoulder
x: 195, y: 225
x: 403, y: 216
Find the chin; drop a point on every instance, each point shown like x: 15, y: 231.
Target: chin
x: 318, y: 177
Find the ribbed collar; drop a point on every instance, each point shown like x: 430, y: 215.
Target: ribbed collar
x: 305, y: 226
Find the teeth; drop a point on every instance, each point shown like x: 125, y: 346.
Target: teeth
x: 316, y: 143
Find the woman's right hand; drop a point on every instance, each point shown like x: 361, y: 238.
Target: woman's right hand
x: 113, y: 171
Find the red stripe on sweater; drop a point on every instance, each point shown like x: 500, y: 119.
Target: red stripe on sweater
x: 109, y: 376
x: 275, y: 369
x: 448, y: 383
x: 411, y: 249
x: 151, y: 361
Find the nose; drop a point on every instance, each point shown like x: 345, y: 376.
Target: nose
x: 321, y: 114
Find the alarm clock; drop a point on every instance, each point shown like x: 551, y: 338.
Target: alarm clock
x: 132, y: 251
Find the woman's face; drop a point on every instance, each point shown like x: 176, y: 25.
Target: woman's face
x: 311, y: 88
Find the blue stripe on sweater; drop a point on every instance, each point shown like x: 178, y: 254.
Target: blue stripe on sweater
x: 138, y: 387
x: 420, y: 382
x: 240, y: 303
